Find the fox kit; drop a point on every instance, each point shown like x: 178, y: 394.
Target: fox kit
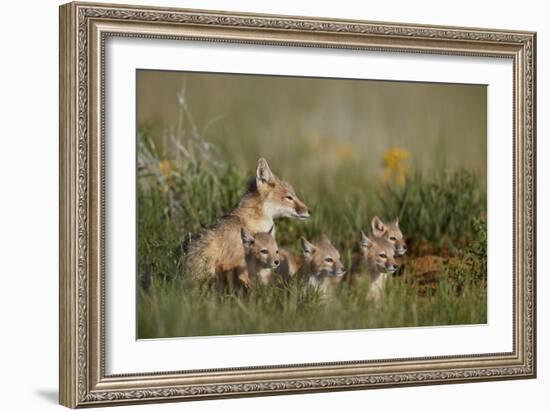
x: 261, y: 255
x: 322, y: 267
x: 377, y: 263
x: 216, y: 249
x: 289, y: 265
x: 392, y: 232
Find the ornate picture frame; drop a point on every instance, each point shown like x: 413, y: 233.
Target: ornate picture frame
x: 84, y: 29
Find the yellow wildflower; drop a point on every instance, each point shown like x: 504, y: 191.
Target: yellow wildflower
x: 395, y: 166
x: 165, y: 168
x: 394, y: 158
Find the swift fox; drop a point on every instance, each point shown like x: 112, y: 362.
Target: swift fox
x: 289, y: 265
x: 321, y: 267
x: 392, y: 232
x: 261, y: 255
x: 216, y: 249
x: 376, y: 263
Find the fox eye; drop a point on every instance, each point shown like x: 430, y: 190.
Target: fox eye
x: 289, y: 197
x: 329, y: 260
x: 264, y: 251
x: 393, y: 238
x: 383, y: 255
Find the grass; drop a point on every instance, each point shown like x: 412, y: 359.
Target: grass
x: 176, y: 308
x: 191, y: 184
x: 440, y: 211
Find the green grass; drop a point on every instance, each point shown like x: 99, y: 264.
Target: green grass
x: 173, y: 308
x: 191, y: 184
x: 440, y: 211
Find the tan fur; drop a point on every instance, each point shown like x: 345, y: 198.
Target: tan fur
x: 376, y: 264
x: 290, y: 264
x: 261, y: 255
x: 322, y: 267
x: 216, y: 250
x: 393, y: 233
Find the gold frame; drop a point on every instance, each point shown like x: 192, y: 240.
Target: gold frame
x: 84, y: 27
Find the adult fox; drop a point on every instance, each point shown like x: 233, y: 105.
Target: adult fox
x: 218, y: 249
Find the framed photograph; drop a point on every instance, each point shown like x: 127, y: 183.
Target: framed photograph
x: 259, y: 204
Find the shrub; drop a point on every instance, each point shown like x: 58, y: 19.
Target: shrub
x: 469, y: 270
x: 440, y: 210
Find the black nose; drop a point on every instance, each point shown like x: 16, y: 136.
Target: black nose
x: 394, y: 266
x: 309, y: 211
x: 404, y: 247
x: 276, y: 262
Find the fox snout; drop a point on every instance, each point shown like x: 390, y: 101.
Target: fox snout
x: 391, y: 267
x: 401, y: 249
x: 338, y: 269
x: 301, y: 209
x: 275, y: 263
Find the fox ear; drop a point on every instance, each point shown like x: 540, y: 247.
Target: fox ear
x: 307, y: 248
x: 325, y: 239
x: 271, y: 231
x: 263, y: 172
x: 396, y: 222
x: 248, y: 239
x: 365, y: 241
x: 378, y: 227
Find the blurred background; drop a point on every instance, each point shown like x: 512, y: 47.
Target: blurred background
x: 308, y: 126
